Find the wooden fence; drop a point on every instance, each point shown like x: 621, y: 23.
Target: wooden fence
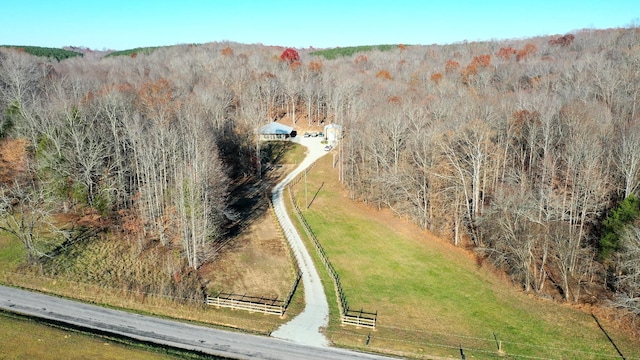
x: 347, y: 316
x: 248, y: 303
x: 360, y: 318
x: 254, y: 303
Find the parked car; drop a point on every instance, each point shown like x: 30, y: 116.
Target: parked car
x: 314, y: 134
x: 306, y: 134
x: 328, y: 148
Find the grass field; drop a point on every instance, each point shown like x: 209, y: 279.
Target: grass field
x: 26, y: 339
x: 433, y: 298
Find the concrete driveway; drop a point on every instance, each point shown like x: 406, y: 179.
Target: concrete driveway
x: 306, y: 328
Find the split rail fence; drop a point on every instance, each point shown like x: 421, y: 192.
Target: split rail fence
x: 347, y: 316
x: 253, y: 303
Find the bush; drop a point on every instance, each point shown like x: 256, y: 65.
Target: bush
x: 615, y: 224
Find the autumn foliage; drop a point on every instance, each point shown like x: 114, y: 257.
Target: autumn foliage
x: 506, y: 52
x: 315, y: 66
x: 451, y: 66
x: 227, y: 51
x: 529, y: 49
x: 478, y: 62
x: 436, y: 78
x: 482, y: 61
x: 563, y: 40
x: 156, y: 99
x: 290, y: 56
x: 295, y: 65
x: 394, y: 100
x: 362, y: 59
x: 384, y: 74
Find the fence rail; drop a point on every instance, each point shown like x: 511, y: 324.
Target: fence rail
x: 347, y: 316
x: 360, y: 318
x: 248, y: 303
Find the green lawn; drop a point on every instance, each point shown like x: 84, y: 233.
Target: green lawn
x: 433, y: 297
x: 21, y: 338
x: 12, y: 253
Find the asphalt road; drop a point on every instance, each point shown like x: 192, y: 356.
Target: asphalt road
x: 225, y: 344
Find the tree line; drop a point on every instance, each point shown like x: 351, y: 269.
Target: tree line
x: 521, y: 150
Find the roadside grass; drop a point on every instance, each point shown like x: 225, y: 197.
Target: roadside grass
x: 23, y: 338
x: 12, y: 253
x: 433, y: 298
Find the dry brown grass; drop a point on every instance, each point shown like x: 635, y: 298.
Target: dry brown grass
x: 13, y: 159
x: 256, y: 264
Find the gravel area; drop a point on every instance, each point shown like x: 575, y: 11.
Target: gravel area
x: 306, y: 328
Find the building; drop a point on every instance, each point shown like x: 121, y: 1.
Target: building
x: 276, y: 131
x: 333, y: 132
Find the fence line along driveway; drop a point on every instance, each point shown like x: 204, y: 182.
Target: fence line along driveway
x: 181, y: 335
x: 306, y: 328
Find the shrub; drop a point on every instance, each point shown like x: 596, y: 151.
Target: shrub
x: 615, y: 224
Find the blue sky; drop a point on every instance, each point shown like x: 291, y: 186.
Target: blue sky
x: 124, y: 24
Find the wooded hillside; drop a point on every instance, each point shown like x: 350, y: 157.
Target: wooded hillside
x: 526, y: 151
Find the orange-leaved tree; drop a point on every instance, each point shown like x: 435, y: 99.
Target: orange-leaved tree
x: 384, y: 74
x: 482, y: 61
x: 563, y: 40
x: 451, y: 66
x: 315, y: 66
x: 362, y: 59
x: 505, y: 53
x: 227, y: 51
x: 528, y: 49
x: 436, y: 78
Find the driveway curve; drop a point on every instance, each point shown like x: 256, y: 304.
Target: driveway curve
x: 306, y: 328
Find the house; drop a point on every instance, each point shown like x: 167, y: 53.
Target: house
x: 333, y: 132
x: 276, y: 131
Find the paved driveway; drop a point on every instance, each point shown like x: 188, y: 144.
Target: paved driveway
x: 306, y: 327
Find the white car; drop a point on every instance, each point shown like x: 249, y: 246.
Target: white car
x: 328, y: 147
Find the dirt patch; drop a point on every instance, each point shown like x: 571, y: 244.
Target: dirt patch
x: 13, y: 159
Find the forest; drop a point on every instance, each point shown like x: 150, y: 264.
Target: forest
x: 526, y: 152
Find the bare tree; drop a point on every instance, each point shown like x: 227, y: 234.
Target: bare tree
x: 25, y: 211
x: 628, y: 278
x: 518, y: 242
x: 200, y: 189
x: 468, y: 155
x: 627, y: 160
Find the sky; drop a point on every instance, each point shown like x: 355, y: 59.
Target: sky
x: 126, y: 24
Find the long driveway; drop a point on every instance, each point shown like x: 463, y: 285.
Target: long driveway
x: 306, y: 328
